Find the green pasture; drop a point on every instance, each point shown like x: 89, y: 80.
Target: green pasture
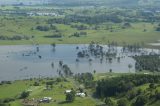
x: 57, y: 93
x: 11, y: 26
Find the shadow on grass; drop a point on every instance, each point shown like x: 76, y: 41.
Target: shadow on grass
x: 64, y: 102
x: 53, y: 36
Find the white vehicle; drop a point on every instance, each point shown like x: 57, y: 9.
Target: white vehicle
x: 45, y: 99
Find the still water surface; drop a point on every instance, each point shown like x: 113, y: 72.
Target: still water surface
x: 23, y: 61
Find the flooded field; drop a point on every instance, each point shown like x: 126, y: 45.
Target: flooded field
x: 29, y: 61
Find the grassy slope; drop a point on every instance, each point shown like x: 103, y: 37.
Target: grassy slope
x: 12, y: 90
x: 57, y: 93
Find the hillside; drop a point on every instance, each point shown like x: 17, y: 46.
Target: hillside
x: 124, y: 3
x: 131, y: 90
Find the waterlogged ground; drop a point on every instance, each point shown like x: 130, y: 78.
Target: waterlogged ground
x: 28, y: 61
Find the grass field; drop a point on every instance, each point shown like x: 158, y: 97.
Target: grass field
x: 57, y: 93
x: 13, y: 90
x: 11, y: 26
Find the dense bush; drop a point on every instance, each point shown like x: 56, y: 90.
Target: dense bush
x: 2, y: 104
x: 122, y: 102
x: 16, y: 37
x: 158, y: 96
x: 132, y: 94
x: 6, y: 82
x: 158, y: 29
x: 110, y: 102
x: 7, y: 100
x: 43, y: 28
x: 70, y: 97
x: 141, y: 100
x: 126, y: 25
x: 79, y: 27
x: 24, y: 95
x: 59, y: 35
x: 86, y: 79
x: 36, y: 83
x: 50, y: 82
x: 78, y: 34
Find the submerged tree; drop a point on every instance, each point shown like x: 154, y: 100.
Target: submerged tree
x: 53, y: 45
x: 60, y: 63
x: 130, y: 66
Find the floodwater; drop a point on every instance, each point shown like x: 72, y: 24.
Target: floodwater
x: 154, y: 44
x: 28, y: 61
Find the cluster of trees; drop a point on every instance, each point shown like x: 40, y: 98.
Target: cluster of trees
x: 99, y: 16
x: 65, y: 70
x: 124, y: 87
x: 158, y: 27
x: 49, y: 84
x: 46, y: 28
x: 97, y: 19
x: 58, y: 21
x: 114, y: 86
x: 86, y: 79
x: 53, y: 27
x: 126, y: 25
x: 70, y: 97
x: 36, y: 83
x: 98, y: 51
x: 79, y: 27
x: 131, y: 48
x: 5, y: 82
x: 78, y: 34
x: 53, y: 45
x: 56, y: 35
x: 148, y: 15
x: 93, y: 49
x: 43, y: 28
x: 147, y: 62
x: 140, y: 101
x: 16, y: 37
x: 24, y: 95
x: 4, y: 102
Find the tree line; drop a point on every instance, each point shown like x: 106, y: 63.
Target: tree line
x: 97, y: 19
x: 147, y: 62
x: 123, y: 86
